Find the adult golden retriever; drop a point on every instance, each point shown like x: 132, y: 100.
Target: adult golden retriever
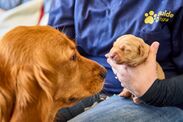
x: 41, y: 72
x: 132, y: 51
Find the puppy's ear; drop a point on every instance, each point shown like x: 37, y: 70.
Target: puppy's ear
x: 141, y: 50
x: 31, y: 81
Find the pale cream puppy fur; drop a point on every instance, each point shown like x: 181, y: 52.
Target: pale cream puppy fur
x: 132, y: 51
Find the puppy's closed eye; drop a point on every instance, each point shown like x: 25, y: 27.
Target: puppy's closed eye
x: 126, y: 49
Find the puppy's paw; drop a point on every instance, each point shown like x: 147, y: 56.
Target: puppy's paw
x: 136, y: 100
x: 125, y: 93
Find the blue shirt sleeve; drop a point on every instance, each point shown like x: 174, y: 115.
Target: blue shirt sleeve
x: 61, y: 16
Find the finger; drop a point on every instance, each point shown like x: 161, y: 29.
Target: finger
x: 117, y: 67
x: 107, y: 55
x: 114, y: 71
x: 114, y: 66
x: 153, y: 51
x: 112, y: 63
x: 136, y: 100
x: 154, y: 47
x: 122, y: 84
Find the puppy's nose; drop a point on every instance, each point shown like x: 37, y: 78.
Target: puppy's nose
x: 103, y: 73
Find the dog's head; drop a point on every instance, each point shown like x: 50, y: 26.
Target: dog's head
x: 42, y: 64
x: 130, y: 50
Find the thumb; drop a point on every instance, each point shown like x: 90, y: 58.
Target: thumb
x: 153, y: 51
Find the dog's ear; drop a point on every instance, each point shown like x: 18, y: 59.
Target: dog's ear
x: 7, y: 94
x: 6, y: 105
x: 31, y: 81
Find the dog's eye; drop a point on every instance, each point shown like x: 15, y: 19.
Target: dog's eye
x: 74, y: 57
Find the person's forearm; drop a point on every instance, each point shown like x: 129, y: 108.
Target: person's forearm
x: 168, y: 92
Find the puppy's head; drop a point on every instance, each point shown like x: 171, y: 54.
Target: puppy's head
x: 44, y: 62
x: 130, y: 50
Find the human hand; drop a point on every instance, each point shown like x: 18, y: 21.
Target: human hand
x: 140, y: 78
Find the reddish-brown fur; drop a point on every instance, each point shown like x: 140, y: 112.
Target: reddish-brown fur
x: 41, y: 72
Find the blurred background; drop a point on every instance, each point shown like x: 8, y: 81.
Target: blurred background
x: 23, y: 12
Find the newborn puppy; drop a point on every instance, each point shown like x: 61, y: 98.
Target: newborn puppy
x: 132, y: 51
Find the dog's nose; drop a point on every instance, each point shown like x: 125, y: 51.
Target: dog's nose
x: 103, y: 74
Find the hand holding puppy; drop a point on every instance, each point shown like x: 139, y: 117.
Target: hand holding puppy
x: 137, y: 72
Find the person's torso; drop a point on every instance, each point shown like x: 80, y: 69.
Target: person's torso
x: 99, y: 23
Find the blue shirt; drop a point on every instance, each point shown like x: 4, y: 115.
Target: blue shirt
x: 96, y: 24
x: 9, y: 4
